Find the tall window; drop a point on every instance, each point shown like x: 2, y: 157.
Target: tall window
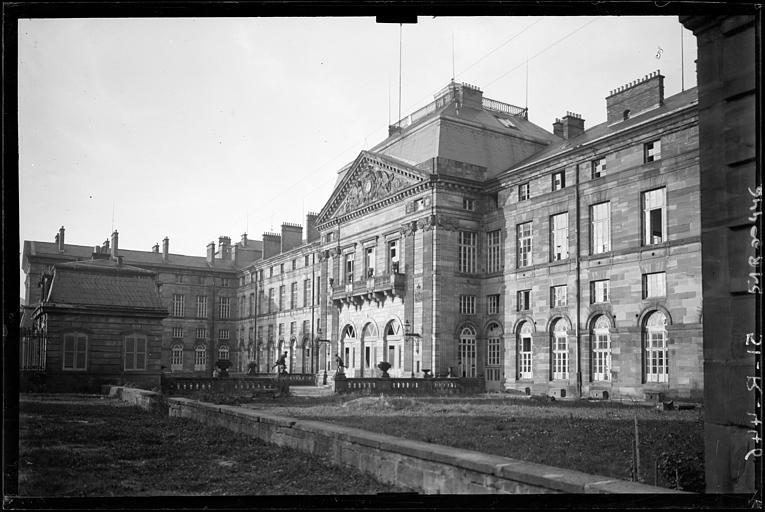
x: 467, y: 352
x: 492, y: 304
x: 201, y: 333
x: 654, y: 285
x: 282, y: 290
x: 223, y: 352
x: 393, y: 256
x: 601, y: 349
x: 281, y: 331
x: 75, y: 351
x: 349, y: 267
x: 306, y: 292
x: 599, y: 291
x: 293, y: 295
x: 558, y: 180
x: 224, y: 307
x: 260, y: 334
x: 176, y: 357
x: 600, y: 233
x: 270, y: 333
x: 135, y: 352
x: 559, y: 237
x: 560, y: 350
x: 493, y: 352
x: 524, y: 300
x: 369, y: 261
x: 178, y: 305
x: 524, y: 244
x: 467, y: 304
x: 523, y: 192
x: 654, y: 216
x: 271, y: 300
x: 468, y: 242
x: 200, y: 358
x: 558, y: 296
x: 598, y: 167
x: 652, y: 151
x: 493, y: 251
x: 306, y: 328
x: 293, y: 329
x: 655, y: 341
x: 201, y: 306
x: 250, y: 309
x: 525, y: 367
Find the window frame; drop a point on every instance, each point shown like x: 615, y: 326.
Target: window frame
x: 526, y: 295
x: 494, y: 251
x: 600, y: 228
x: 598, y: 168
x: 524, y: 191
x: 467, y: 304
x: 648, y: 156
x: 559, y: 236
x: 648, y: 283
x: 648, y: 209
x: 555, y: 296
x: 468, y: 250
x: 524, y: 243
x: 76, y: 351
x: 133, y: 356
x: 558, y: 184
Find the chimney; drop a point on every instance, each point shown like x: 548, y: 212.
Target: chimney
x: 155, y: 249
x: 60, y: 239
x: 635, y: 97
x: 105, y: 246
x: 292, y: 236
x: 571, y: 126
x: 244, y: 239
x: 211, y: 253
x: 224, y: 247
x: 470, y: 96
x: 165, y: 249
x: 311, y: 233
x: 272, y: 244
x: 115, y: 244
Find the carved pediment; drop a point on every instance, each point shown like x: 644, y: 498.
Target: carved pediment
x: 369, y: 180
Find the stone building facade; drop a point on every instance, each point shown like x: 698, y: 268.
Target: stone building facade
x: 472, y: 242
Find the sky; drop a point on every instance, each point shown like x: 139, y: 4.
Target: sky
x: 195, y: 128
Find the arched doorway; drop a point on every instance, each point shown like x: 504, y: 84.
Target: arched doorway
x: 349, y: 346
x: 494, y: 351
x: 368, y: 350
x: 656, y: 363
x: 466, y: 354
x: 393, y: 353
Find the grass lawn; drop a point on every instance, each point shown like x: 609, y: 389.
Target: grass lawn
x: 75, y: 445
x: 593, y: 437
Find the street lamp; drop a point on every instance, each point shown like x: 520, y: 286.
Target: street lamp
x: 407, y: 335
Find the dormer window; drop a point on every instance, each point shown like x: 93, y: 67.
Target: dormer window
x: 506, y: 122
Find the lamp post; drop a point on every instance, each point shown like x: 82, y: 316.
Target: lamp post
x: 408, y: 334
x: 319, y: 340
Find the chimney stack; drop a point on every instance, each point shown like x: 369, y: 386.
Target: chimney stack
x: 224, y: 246
x: 635, y: 97
x: 60, y: 239
x: 272, y: 244
x: 572, y: 125
x: 244, y: 239
x: 292, y: 236
x: 211, y: 253
x: 165, y: 249
x: 105, y: 246
x: 311, y: 233
x: 115, y: 244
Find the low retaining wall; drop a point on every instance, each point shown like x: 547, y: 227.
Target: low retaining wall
x: 407, y: 464
x: 407, y: 386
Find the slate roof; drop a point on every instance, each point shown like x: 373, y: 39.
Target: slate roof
x: 562, y: 146
x: 36, y: 248
x: 104, y: 283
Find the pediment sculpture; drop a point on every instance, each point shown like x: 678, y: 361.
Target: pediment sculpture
x: 370, y: 183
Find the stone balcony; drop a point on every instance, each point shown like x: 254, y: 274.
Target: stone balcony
x: 377, y: 289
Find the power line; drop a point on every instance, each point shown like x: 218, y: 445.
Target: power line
x: 500, y: 46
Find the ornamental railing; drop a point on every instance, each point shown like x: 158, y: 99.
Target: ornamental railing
x: 407, y: 386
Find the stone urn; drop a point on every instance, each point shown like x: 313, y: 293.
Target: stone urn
x: 384, y: 366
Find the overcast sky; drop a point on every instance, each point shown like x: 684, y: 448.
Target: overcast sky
x: 197, y: 128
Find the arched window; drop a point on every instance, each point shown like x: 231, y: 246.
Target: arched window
x: 223, y: 352
x: 525, y: 367
x: 560, y: 350
x: 347, y: 341
x: 176, y: 357
x: 600, y: 341
x: 393, y: 337
x: 200, y: 358
x: 655, y: 342
x: 494, y: 352
x: 466, y: 353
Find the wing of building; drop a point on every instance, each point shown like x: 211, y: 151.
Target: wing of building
x: 469, y: 242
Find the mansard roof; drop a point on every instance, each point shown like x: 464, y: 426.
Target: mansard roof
x: 370, y: 179
x: 103, y: 282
